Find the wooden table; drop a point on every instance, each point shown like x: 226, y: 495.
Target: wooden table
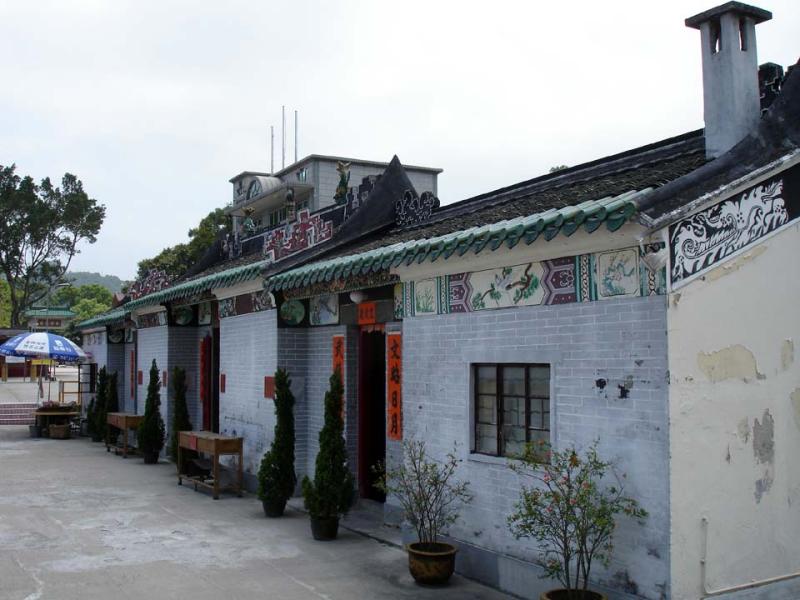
x: 44, y: 417
x: 215, y: 445
x: 124, y: 422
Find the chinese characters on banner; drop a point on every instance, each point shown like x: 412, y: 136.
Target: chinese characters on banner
x: 338, y: 362
x: 366, y: 313
x: 394, y: 377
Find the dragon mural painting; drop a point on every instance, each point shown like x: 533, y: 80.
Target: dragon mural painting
x: 705, y: 238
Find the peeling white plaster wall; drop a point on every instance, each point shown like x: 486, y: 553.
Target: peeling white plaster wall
x: 735, y: 420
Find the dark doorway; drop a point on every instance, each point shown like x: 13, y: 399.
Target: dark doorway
x: 215, y: 380
x: 371, y: 411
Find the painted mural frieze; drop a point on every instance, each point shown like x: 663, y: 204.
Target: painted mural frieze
x: 627, y: 272
x: 245, y: 304
x: 158, y: 319
x: 703, y: 239
x: 411, y: 208
x: 324, y: 309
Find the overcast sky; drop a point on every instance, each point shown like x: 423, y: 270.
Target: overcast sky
x: 154, y: 105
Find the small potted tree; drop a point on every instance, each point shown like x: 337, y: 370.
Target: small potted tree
x: 150, y: 434
x: 276, y: 476
x: 112, y: 406
x: 331, y: 492
x: 430, y: 498
x: 180, y: 411
x: 97, y: 410
x: 571, y: 511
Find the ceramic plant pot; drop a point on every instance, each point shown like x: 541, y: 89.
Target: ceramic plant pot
x: 576, y: 595
x: 431, y: 564
x: 274, y: 508
x: 324, y: 528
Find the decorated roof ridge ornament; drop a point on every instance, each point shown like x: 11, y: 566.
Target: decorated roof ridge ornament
x: 154, y: 280
x: 614, y: 211
x: 412, y: 209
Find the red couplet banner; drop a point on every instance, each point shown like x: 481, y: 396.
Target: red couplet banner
x: 394, y: 378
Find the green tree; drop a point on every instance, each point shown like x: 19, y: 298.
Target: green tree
x: 5, y: 304
x: 331, y: 492
x: 175, y: 260
x: 180, y: 411
x: 41, y: 227
x: 276, y: 477
x: 73, y: 294
x: 150, y: 433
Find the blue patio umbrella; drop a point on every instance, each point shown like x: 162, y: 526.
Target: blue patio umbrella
x: 41, y: 344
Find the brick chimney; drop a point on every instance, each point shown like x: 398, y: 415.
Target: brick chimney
x: 731, y: 102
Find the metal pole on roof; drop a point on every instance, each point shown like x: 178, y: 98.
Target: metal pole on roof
x: 283, y: 136
x: 295, y: 136
x: 271, y: 149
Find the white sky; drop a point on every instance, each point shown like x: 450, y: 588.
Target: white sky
x: 154, y: 105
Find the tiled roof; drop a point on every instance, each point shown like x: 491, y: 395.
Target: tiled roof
x: 107, y: 318
x: 612, y: 211
x: 49, y: 312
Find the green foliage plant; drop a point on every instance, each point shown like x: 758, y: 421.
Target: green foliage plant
x: 97, y: 409
x: 112, y: 405
x: 427, y: 491
x: 180, y: 411
x: 571, y: 511
x: 276, y: 476
x: 332, y: 490
x: 151, y: 433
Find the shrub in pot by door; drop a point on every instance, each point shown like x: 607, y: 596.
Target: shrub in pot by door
x: 276, y: 476
x: 97, y: 408
x: 430, y: 498
x: 571, y: 511
x: 150, y: 435
x: 112, y: 405
x: 332, y: 490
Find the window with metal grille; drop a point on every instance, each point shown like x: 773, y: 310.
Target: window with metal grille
x: 512, y: 407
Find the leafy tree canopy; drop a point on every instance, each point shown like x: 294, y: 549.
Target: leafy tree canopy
x: 5, y: 304
x: 41, y: 226
x: 72, y: 295
x: 175, y: 260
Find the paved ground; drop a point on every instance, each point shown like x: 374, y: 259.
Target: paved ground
x: 76, y: 522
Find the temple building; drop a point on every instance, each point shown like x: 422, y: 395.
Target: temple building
x: 641, y: 299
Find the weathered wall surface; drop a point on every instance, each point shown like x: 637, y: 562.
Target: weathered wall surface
x: 184, y: 352
x: 622, y: 342
x: 127, y: 399
x: 248, y: 353
x: 152, y: 344
x: 735, y: 421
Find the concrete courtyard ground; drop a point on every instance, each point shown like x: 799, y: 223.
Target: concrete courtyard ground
x: 78, y: 523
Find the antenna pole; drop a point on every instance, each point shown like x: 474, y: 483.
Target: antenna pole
x: 271, y: 149
x: 283, y: 136
x: 295, y: 136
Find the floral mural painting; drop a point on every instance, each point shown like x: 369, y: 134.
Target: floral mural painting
x: 618, y: 273
x: 324, y: 309
x: 508, y: 286
x: 425, y: 297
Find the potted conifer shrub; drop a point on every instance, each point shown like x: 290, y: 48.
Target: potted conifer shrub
x: 112, y: 406
x: 276, y: 476
x: 97, y: 410
x: 180, y: 411
x: 430, y: 498
x: 331, y: 492
x: 150, y: 434
x: 571, y: 510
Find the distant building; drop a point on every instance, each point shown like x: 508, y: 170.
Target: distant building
x: 54, y: 318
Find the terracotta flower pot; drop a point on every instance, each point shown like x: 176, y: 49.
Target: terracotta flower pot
x: 563, y: 594
x: 324, y: 528
x: 431, y: 564
x: 274, y: 508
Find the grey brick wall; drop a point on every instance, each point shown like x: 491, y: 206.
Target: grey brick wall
x: 248, y: 347
x: 152, y: 343
x: 622, y: 341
